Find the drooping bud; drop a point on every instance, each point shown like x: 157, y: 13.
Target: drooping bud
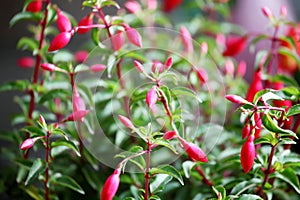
x: 193, y: 151
x: 111, y: 186
x: 248, y: 154
x: 34, y: 6
x: 255, y: 86
x: 229, y: 67
x: 236, y: 99
x: 26, y: 62
x: 78, y: 115
x: 257, y: 125
x: 77, y: 103
x: 133, y: 36
x: 168, y: 63
x: 186, y: 39
x: 49, y: 67
x: 151, y: 97
x: 84, y: 23
x: 267, y: 12
x: 97, y: 68
x: 126, y: 122
x: 151, y: 4
x: 60, y: 41
x: 202, y: 75
x: 27, y: 144
x: 138, y: 66
x: 234, y: 45
x: 169, y: 135
x: 241, y: 69
x: 246, y: 131
x: 63, y: 22
x: 81, y: 56
x: 169, y: 5
x: 117, y: 40
x: 132, y: 6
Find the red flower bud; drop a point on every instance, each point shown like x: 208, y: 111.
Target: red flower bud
x: 98, y: 68
x: 257, y: 125
x: 169, y: 135
x: 26, y: 62
x: 236, y: 99
x: 60, y: 41
x: 193, y: 151
x: 151, y: 97
x: 34, y: 6
x: 81, y: 56
x: 255, y: 86
x: 234, y: 45
x: 169, y: 5
x: 78, y: 103
x: 246, y: 131
x: 77, y: 115
x: 138, y: 66
x: 111, y: 186
x: 133, y: 36
x: 27, y: 144
x: 168, y: 63
x: 267, y: 12
x: 83, y: 25
x: 42, y: 120
x: 117, y: 40
x: 132, y: 6
x: 202, y: 75
x: 49, y: 67
x: 248, y: 154
x: 126, y: 122
x: 152, y: 4
x: 186, y: 39
x: 157, y: 67
x: 241, y: 69
x: 63, y: 23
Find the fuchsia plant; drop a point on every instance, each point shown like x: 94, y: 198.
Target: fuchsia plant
x: 158, y: 97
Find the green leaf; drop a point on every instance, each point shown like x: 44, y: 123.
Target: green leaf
x: 36, y: 169
x: 33, y: 192
x: 68, y: 182
x: 165, y: 144
x: 66, y: 143
x: 20, y: 85
x: 25, y: 16
x: 110, y: 3
x: 266, y: 95
x: 159, y: 183
x: 294, y: 110
x: 220, y: 189
x: 267, y: 139
x: 250, y: 197
x: 287, y: 52
x: 186, y: 93
x: 256, y: 40
x: 52, y: 94
x: 270, y: 125
x: 187, y: 168
x: 63, y: 57
x: 34, y: 131
x: 288, y: 175
x: 169, y: 170
x: 27, y: 43
x: 259, y: 56
x: 283, y: 78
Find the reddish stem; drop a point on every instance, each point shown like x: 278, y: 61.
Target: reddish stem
x: 204, y: 179
x: 47, y: 167
x: 147, y: 176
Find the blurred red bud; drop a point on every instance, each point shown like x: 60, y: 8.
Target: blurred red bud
x: 26, y: 62
x: 84, y: 23
x: 27, y: 144
x: 248, y: 154
x: 34, y: 6
x: 117, y: 40
x: 234, y: 45
x: 169, y: 5
x: 97, y: 68
x: 186, y: 39
x: 63, y: 22
x: 60, y: 41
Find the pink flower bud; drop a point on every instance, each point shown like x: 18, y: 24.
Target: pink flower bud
x: 151, y: 4
x: 83, y: 25
x: 77, y: 115
x: 34, y: 6
x: 220, y: 39
x: 55, y: 125
x: 126, y: 122
x: 133, y: 36
x: 42, y: 120
x: 257, y: 125
x: 202, y: 75
x: 236, y: 99
x: 168, y: 63
x: 81, y: 56
x: 246, y: 131
x: 63, y: 23
x: 241, y: 69
x: 229, y: 67
x: 267, y: 12
x: 117, y: 40
x: 203, y: 48
x: 138, y: 66
x: 132, y: 6
x: 151, y: 97
x: 26, y: 62
x: 98, y: 68
x: 27, y: 144
x: 77, y: 103
x: 157, y: 67
x: 248, y: 154
x: 234, y: 45
x: 283, y: 11
x: 169, y: 135
x: 186, y: 39
x: 193, y: 151
x: 49, y: 67
x: 255, y: 86
x: 60, y: 41
x: 169, y: 5
x: 111, y: 186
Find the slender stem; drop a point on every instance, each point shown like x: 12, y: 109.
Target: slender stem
x: 47, y: 167
x: 204, y: 179
x: 147, y: 176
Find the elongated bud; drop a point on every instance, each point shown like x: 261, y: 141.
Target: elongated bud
x: 27, y: 144
x: 81, y: 56
x: 203, y: 48
x: 133, y: 36
x: 236, y: 99
x: 34, y: 6
x: 255, y: 86
x: 157, y: 67
x: 229, y: 67
x: 77, y: 115
x: 84, y: 23
x: 267, y: 12
x: 169, y: 135
x: 42, y: 121
x: 78, y: 103
x: 169, y: 5
x: 138, y: 66
x: 126, y: 122
x: 248, y: 154
x: 186, y: 39
x: 257, y: 125
x: 234, y: 45
x: 117, y: 40
x: 151, y: 97
x: 241, y: 69
x: 283, y: 11
x: 111, y: 186
x: 168, y: 63
x: 60, y: 41
x: 132, y: 6
x: 63, y: 22
x: 49, y: 67
x: 246, y: 131
x: 98, y: 68
x: 151, y: 4
x: 193, y: 151
x: 202, y: 75
x: 26, y: 62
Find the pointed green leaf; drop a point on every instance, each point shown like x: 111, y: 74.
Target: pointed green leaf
x: 159, y: 183
x: 66, y: 143
x: 250, y: 197
x: 52, y: 94
x: 68, y: 182
x: 25, y: 16
x: 294, y: 110
x: 187, y: 168
x: 288, y: 175
x: 37, y: 168
x: 165, y: 144
x: 20, y: 85
x: 168, y: 169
